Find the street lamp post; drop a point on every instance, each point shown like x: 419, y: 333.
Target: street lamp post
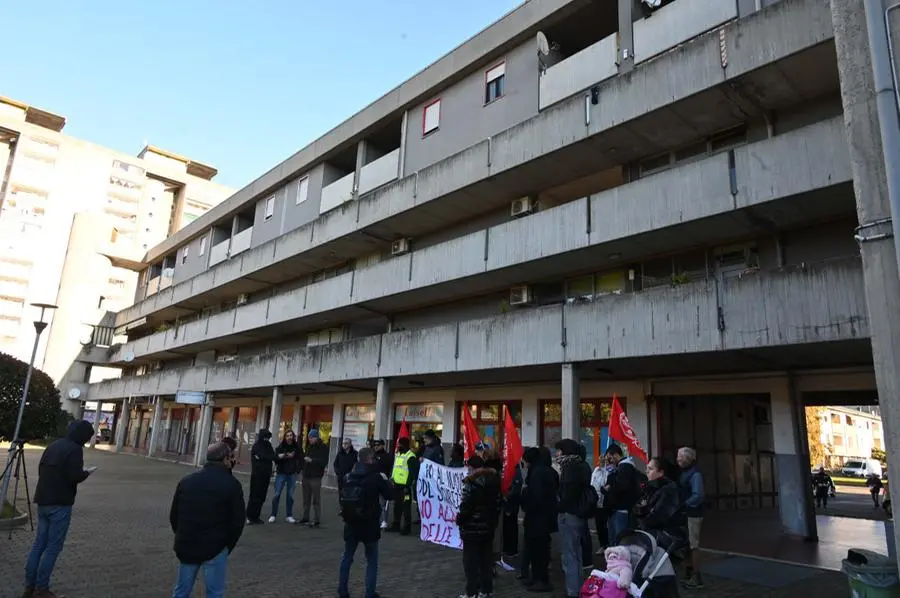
x: 39, y: 326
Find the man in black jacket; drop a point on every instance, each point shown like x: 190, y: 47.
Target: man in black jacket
x: 433, y: 450
x: 361, y: 493
x: 577, y: 499
x: 262, y: 456
x: 384, y: 463
x: 344, y: 461
x: 60, y: 471
x: 479, y: 512
x: 622, y: 491
x: 314, y: 464
x: 207, y: 516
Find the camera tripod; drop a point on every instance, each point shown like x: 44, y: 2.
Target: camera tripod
x: 15, y: 468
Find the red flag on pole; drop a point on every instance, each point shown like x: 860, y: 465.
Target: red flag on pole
x: 512, y: 452
x: 470, y: 433
x: 404, y: 433
x: 621, y: 431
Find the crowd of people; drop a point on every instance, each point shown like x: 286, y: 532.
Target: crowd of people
x: 554, y: 494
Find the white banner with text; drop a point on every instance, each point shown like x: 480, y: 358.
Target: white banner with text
x: 438, y: 493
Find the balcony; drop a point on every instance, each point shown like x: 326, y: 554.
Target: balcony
x: 678, y: 22
x: 153, y: 286
x: 580, y: 71
x: 379, y: 172
x: 241, y: 241
x: 165, y: 282
x: 34, y: 174
x: 13, y: 288
x: 336, y: 193
x: 695, y: 197
x: 781, y: 308
x: 219, y: 252
x: 38, y: 147
x: 124, y: 190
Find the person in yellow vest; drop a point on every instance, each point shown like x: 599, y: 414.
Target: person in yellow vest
x: 403, y: 476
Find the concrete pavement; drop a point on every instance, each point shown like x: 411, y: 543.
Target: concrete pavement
x: 120, y: 544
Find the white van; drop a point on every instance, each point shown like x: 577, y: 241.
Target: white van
x: 862, y: 469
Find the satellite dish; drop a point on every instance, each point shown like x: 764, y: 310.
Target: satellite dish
x: 74, y: 392
x: 129, y: 357
x: 543, y: 46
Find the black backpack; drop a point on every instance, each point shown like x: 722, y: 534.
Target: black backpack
x: 353, y: 500
x: 587, y: 502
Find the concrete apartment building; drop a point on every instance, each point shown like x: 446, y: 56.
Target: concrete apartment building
x: 75, y: 218
x: 849, y: 434
x: 652, y: 202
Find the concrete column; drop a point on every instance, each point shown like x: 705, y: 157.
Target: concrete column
x: 98, y: 417
x: 206, y: 421
x: 187, y: 431
x: 571, y: 401
x: 401, y: 163
x: 261, y: 415
x: 275, y: 416
x: 530, y: 421
x: 626, y: 36
x: 361, y: 151
x: 792, y: 462
x: 168, y: 431
x: 879, y: 261
x: 337, y: 434
x: 122, y: 426
x: 155, y: 426
x: 233, y: 421
x: 140, y: 428
x: 295, y: 421
x: 383, y: 419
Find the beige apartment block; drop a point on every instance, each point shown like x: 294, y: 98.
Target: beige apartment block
x: 75, y: 221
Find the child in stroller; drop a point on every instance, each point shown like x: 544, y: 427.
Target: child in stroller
x: 653, y: 571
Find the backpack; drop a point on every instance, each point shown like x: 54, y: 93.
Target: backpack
x: 353, y: 500
x: 587, y: 502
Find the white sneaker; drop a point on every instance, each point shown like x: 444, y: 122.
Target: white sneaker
x: 272, y: 519
x: 384, y: 525
x: 290, y: 520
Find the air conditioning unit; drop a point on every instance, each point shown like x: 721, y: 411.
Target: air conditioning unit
x: 400, y: 246
x: 521, y: 207
x: 520, y: 295
x: 243, y: 298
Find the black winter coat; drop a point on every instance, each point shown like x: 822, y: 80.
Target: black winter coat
x: 538, y: 500
x: 262, y: 456
x: 624, y: 488
x: 315, y: 468
x: 344, y: 462
x: 434, y: 452
x: 659, y: 507
x: 384, y: 462
x: 288, y: 465
x: 207, y: 514
x: 62, y: 467
x: 574, y: 478
x: 374, y: 486
x: 479, y: 507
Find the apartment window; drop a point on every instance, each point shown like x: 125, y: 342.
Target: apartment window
x: 184, y: 254
x: 728, y: 139
x: 494, y: 83
x: 655, y: 164
x: 835, y: 418
x: 270, y: 207
x: 302, y: 190
x: 431, y: 117
x: 202, y: 245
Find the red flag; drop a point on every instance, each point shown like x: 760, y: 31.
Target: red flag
x: 621, y: 431
x: 404, y: 433
x: 512, y: 452
x: 470, y: 433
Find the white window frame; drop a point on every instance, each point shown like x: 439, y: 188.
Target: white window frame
x: 491, y: 75
x: 203, y: 245
x: 431, y: 117
x: 302, y: 190
x: 270, y: 207
x: 185, y: 251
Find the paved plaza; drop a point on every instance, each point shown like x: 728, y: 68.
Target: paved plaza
x: 120, y: 544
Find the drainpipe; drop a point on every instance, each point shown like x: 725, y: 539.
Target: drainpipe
x: 886, y: 105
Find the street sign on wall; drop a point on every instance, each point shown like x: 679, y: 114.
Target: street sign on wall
x: 190, y: 397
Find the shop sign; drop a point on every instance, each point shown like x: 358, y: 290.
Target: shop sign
x: 360, y: 413
x: 424, y: 413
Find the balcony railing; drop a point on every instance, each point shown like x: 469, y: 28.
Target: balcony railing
x: 379, y: 172
x: 337, y: 193
x: 153, y: 286
x: 677, y: 23
x: 773, y: 309
x: 219, y: 252
x: 241, y: 241
x: 579, y: 71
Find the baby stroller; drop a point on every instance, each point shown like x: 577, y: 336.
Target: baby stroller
x: 654, y: 573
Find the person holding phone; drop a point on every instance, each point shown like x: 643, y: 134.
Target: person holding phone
x: 288, y: 460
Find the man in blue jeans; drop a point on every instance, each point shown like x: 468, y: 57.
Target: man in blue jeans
x: 574, y: 486
x: 622, y: 491
x: 60, y: 471
x: 207, y: 516
x: 361, y: 492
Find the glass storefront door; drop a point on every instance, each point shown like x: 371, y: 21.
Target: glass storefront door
x: 594, y: 431
x: 489, y: 419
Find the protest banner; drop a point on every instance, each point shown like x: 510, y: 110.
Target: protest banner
x: 438, y: 493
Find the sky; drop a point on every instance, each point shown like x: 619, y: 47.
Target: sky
x: 237, y: 84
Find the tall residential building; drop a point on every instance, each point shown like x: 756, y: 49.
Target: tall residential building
x: 652, y: 200
x: 849, y: 434
x: 75, y: 219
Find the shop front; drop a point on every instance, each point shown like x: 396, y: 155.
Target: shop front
x: 419, y: 419
x: 489, y: 419
x: 359, y: 424
x: 594, y: 429
x: 318, y: 417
